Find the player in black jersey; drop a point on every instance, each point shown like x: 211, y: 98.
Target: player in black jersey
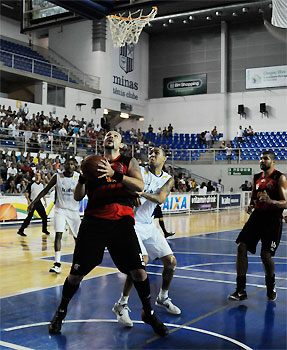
x: 109, y: 222
x: 268, y: 200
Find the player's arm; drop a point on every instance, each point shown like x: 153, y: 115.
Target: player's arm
x: 132, y: 179
x: 80, y: 189
x: 27, y: 193
x: 282, y: 188
x: 252, y: 199
x: 161, y: 195
x: 43, y: 193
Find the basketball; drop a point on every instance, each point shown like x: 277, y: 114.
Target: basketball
x: 89, y: 166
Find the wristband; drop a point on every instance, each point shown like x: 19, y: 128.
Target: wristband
x: 82, y: 180
x: 118, y: 176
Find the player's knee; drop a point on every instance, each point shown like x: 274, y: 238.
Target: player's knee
x: 138, y: 275
x: 242, y: 249
x: 265, y: 257
x: 75, y: 279
x: 170, y: 262
x: 145, y: 259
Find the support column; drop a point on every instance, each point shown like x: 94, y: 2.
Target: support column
x: 223, y: 82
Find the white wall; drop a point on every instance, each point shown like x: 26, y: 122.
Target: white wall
x: 11, y: 29
x: 193, y: 114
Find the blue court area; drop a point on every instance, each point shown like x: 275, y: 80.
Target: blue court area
x: 202, y: 281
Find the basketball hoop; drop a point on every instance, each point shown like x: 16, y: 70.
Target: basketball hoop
x: 128, y: 29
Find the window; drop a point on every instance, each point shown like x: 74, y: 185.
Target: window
x: 56, y: 95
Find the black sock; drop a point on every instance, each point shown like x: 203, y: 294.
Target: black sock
x: 143, y: 289
x: 161, y: 224
x: 270, y: 281
x: 241, y: 283
x: 68, y: 292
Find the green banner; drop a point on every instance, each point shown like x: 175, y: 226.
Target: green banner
x: 185, y: 85
x: 239, y: 171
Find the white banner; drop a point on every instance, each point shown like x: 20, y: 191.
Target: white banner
x: 176, y: 203
x: 264, y: 77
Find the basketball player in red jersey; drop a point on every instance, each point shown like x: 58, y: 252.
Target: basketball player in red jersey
x: 268, y: 200
x: 109, y: 222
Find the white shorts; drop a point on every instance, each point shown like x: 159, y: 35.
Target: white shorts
x: 151, y: 241
x: 66, y: 216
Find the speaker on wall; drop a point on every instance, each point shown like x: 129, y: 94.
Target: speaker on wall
x: 240, y: 109
x: 263, y: 108
x: 97, y: 103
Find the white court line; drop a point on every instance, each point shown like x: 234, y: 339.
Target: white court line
x: 14, y: 346
x: 216, y: 281
x: 212, y: 271
x: 224, y: 239
x: 222, y: 254
x: 217, y: 335
x: 228, y: 263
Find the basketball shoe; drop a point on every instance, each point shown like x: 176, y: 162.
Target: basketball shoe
x: 271, y: 288
x: 21, y: 233
x: 168, y: 305
x: 158, y: 327
x: 57, y: 321
x: 56, y: 268
x: 122, y: 313
x: 238, y: 295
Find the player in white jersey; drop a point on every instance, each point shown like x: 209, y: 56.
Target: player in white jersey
x: 153, y: 244
x: 66, y: 208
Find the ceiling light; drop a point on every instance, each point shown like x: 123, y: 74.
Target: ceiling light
x: 141, y: 119
x: 185, y: 21
x: 218, y: 13
x: 234, y: 14
x: 165, y: 25
x: 270, y: 5
x: 124, y: 115
x: 8, y: 6
x: 260, y: 11
x: 170, y: 21
x: 149, y: 24
x: 245, y: 9
x: 106, y: 111
x: 191, y: 18
x: 208, y: 18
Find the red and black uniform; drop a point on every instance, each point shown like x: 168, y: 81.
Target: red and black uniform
x: 265, y: 222
x: 108, y: 222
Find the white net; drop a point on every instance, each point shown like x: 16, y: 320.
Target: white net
x: 128, y: 29
x: 279, y: 13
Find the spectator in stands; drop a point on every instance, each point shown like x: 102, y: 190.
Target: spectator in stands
x: 169, y: 130
x: 11, y: 188
x: 239, y: 134
x: 150, y: 129
x: 228, y: 150
x: 208, y: 139
x: 246, y: 186
x: 159, y: 132
x: 182, y: 183
x: 210, y: 187
x: 12, y: 170
x: 2, y: 186
x: 26, y: 168
x: 214, y: 134
x: 250, y: 131
x: 22, y: 186
x: 219, y: 186
x: 202, y: 139
x: 165, y: 133
x: 25, y: 110
x: 202, y: 188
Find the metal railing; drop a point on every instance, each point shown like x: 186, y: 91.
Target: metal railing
x: 30, y: 141
x: 47, y: 69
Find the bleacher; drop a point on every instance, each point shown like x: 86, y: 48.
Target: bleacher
x: 24, y: 58
x: 252, y: 146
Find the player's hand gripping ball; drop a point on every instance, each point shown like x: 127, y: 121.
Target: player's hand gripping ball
x: 90, y: 168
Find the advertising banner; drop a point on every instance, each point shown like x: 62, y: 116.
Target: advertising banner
x: 201, y: 202
x: 229, y: 200
x: 176, y: 203
x: 185, y: 85
x: 239, y: 171
x: 257, y: 78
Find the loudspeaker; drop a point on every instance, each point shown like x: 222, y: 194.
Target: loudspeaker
x: 263, y: 108
x: 240, y: 109
x: 97, y: 103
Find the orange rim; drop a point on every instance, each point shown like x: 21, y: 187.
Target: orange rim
x: 130, y: 18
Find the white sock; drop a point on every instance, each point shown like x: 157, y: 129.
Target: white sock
x: 163, y: 294
x: 123, y: 299
x: 58, y: 257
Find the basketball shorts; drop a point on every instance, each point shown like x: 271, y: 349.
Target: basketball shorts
x: 158, y: 212
x: 118, y: 236
x: 264, y: 227
x: 152, y: 241
x: 66, y: 216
